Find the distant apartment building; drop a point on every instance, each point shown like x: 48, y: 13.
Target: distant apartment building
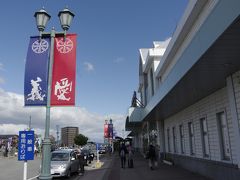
x: 68, y: 134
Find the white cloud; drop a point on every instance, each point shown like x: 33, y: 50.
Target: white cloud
x: 11, y: 128
x: 2, y: 81
x: 1, y: 67
x: 15, y: 117
x: 119, y: 60
x: 88, y: 66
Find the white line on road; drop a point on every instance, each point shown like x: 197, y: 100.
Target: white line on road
x: 33, y: 178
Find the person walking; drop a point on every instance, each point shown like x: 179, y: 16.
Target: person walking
x: 35, y: 151
x: 151, y: 156
x: 130, y: 156
x: 6, y: 150
x: 81, y: 163
x: 122, y: 153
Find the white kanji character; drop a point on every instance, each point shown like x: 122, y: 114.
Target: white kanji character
x: 22, y: 156
x: 22, y: 151
x: 23, y: 146
x: 29, y: 141
x: 23, y: 141
x: 23, y: 136
x: 36, y: 92
x: 62, y: 88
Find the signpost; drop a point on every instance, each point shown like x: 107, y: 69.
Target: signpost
x: 25, y: 149
x: 98, y: 152
x: 98, y: 163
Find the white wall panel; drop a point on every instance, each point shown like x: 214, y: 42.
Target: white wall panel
x: 207, y: 107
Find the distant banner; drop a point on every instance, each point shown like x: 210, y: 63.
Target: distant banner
x: 110, y: 130
x: 36, y: 72
x: 64, y: 71
x: 105, y: 130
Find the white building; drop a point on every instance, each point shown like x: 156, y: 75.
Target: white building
x: 189, y: 88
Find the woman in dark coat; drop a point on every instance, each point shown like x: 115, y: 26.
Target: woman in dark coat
x: 151, y: 156
x: 122, y: 153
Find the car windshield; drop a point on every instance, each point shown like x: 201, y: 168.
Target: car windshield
x: 85, y: 151
x: 60, y: 156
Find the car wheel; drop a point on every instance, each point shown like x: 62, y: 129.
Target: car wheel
x: 68, y: 175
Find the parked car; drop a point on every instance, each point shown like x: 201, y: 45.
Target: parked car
x: 102, y: 151
x: 64, y: 163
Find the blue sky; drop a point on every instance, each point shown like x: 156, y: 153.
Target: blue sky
x: 110, y: 33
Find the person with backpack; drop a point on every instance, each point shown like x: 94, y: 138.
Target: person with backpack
x: 122, y: 153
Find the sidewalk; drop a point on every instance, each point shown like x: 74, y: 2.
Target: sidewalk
x: 141, y: 171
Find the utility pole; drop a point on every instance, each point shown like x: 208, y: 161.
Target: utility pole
x: 29, y: 123
x: 57, y: 134
x: 42, y: 18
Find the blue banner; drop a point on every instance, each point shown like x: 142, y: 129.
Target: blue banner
x: 110, y: 130
x: 36, y: 72
x: 26, y: 145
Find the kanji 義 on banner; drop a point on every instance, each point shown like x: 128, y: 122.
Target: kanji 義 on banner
x: 36, y: 72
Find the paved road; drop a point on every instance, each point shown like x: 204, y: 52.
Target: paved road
x: 11, y: 168
x: 93, y: 173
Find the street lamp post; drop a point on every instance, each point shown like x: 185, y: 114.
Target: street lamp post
x: 42, y: 17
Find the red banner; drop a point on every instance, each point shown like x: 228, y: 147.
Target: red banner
x: 106, y: 130
x: 64, y: 71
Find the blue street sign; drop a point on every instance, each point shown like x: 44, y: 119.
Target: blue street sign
x: 26, y: 145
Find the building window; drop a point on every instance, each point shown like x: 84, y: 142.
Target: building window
x: 152, y: 82
x: 145, y: 89
x: 204, y: 135
x: 191, y: 138
x: 141, y: 96
x: 182, y: 139
x: 174, y: 140
x: 223, y: 135
x: 158, y: 82
x: 168, y: 140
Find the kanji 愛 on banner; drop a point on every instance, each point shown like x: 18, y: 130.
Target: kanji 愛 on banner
x: 36, y: 72
x: 64, y: 71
